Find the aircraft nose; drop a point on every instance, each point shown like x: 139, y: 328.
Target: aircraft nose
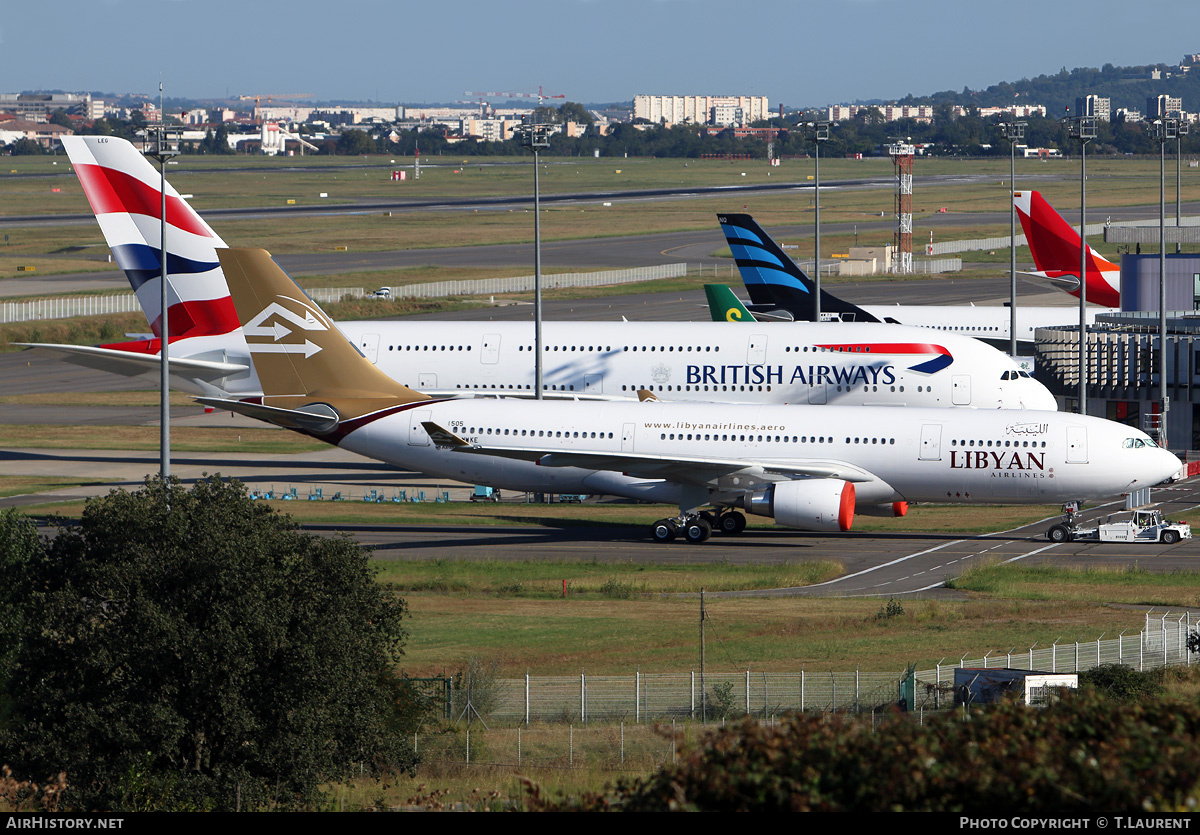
x: 1167, y: 465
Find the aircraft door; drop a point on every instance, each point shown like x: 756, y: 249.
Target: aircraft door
x: 417, y: 436
x: 931, y: 442
x: 593, y: 383
x: 756, y: 353
x: 489, y: 353
x: 369, y: 344
x: 818, y: 393
x: 1077, y: 451
x: 961, y: 390
x: 627, y: 437
x: 426, y: 381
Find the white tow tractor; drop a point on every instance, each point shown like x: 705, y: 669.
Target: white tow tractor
x: 1144, y: 525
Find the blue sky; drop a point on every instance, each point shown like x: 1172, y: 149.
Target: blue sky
x: 799, y: 53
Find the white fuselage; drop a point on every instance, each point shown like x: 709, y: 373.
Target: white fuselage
x: 948, y: 455
x: 835, y: 363
x: 983, y: 322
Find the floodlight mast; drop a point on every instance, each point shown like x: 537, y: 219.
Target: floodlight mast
x: 819, y: 132
x: 1164, y: 131
x: 161, y: 144
x: 1014, y: 132
x: 536, y: 137
x: 1082, y: 128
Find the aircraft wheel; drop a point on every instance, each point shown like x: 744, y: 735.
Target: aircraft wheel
x: 697, y: 530
x: 1058, y: 533
x: 664, y: 530
x: 1170, y: 537
x: 732, y: 523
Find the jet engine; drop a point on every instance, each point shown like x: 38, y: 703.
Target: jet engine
x: 812, y: 504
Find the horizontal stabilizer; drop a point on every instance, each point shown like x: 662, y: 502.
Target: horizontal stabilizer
x: 286, y: 418
x: 131, y: 364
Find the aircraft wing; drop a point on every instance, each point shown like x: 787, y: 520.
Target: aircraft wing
x: 131, y: 364
x: 689, y: 468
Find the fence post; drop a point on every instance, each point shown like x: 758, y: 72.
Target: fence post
x: 801, y: 689
x: 518, y: 746
x: 747, y: 692
x: 527, y: 699
x: 637, y: 697
x: 583, y: 698
x: 1163, y: 638
x: 692, y: 711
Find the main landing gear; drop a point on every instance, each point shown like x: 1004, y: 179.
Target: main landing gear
x: 698, y: 527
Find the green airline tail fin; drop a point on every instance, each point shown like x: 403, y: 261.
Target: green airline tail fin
x: 724, y: 306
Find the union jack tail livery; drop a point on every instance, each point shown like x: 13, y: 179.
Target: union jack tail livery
x: 1055, y: 249
x: 123, y: 190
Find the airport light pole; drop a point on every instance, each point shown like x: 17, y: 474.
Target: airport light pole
x: 1164, y: 131
x: 161, y: 145
x: 819, y: 131
x: 1014, y: 132
x: 1181, y: 130
x: 1083, y: 128
x: 536, y: 137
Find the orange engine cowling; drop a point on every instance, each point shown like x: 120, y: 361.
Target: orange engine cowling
x: 811, y: 504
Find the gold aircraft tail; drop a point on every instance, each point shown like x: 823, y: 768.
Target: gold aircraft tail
x: 303, y: 361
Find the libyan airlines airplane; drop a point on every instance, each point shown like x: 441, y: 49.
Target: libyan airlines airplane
x: 845, y: 364
x: 779, y: 289
x: 811, y: 468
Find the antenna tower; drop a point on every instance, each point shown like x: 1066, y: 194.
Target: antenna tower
x: 902, y: 157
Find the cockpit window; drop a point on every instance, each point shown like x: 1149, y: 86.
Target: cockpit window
x: 1135, y: 443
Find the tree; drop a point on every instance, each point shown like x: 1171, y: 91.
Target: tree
x: 193, y: 649
x: 25, y: 147
x: 354, y: 142
x: 575, y: 112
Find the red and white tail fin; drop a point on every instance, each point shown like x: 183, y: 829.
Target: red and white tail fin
x: 1055, y: 249
x: 123, y: 190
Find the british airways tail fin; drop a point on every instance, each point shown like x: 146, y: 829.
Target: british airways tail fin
x: 773, y: 279
x: 1055, y: 245
x: 123, y: 190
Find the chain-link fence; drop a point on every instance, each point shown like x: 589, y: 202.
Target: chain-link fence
x: 641, y: 698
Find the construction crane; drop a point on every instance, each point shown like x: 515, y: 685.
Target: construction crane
x: 540, y: 95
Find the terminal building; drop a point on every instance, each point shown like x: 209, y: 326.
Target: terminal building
x: 1123, y: 349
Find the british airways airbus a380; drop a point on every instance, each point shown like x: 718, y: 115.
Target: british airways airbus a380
x: 859, y: 364
x: 808, y: 467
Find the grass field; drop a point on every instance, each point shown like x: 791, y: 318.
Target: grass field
x: 233, y: 182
